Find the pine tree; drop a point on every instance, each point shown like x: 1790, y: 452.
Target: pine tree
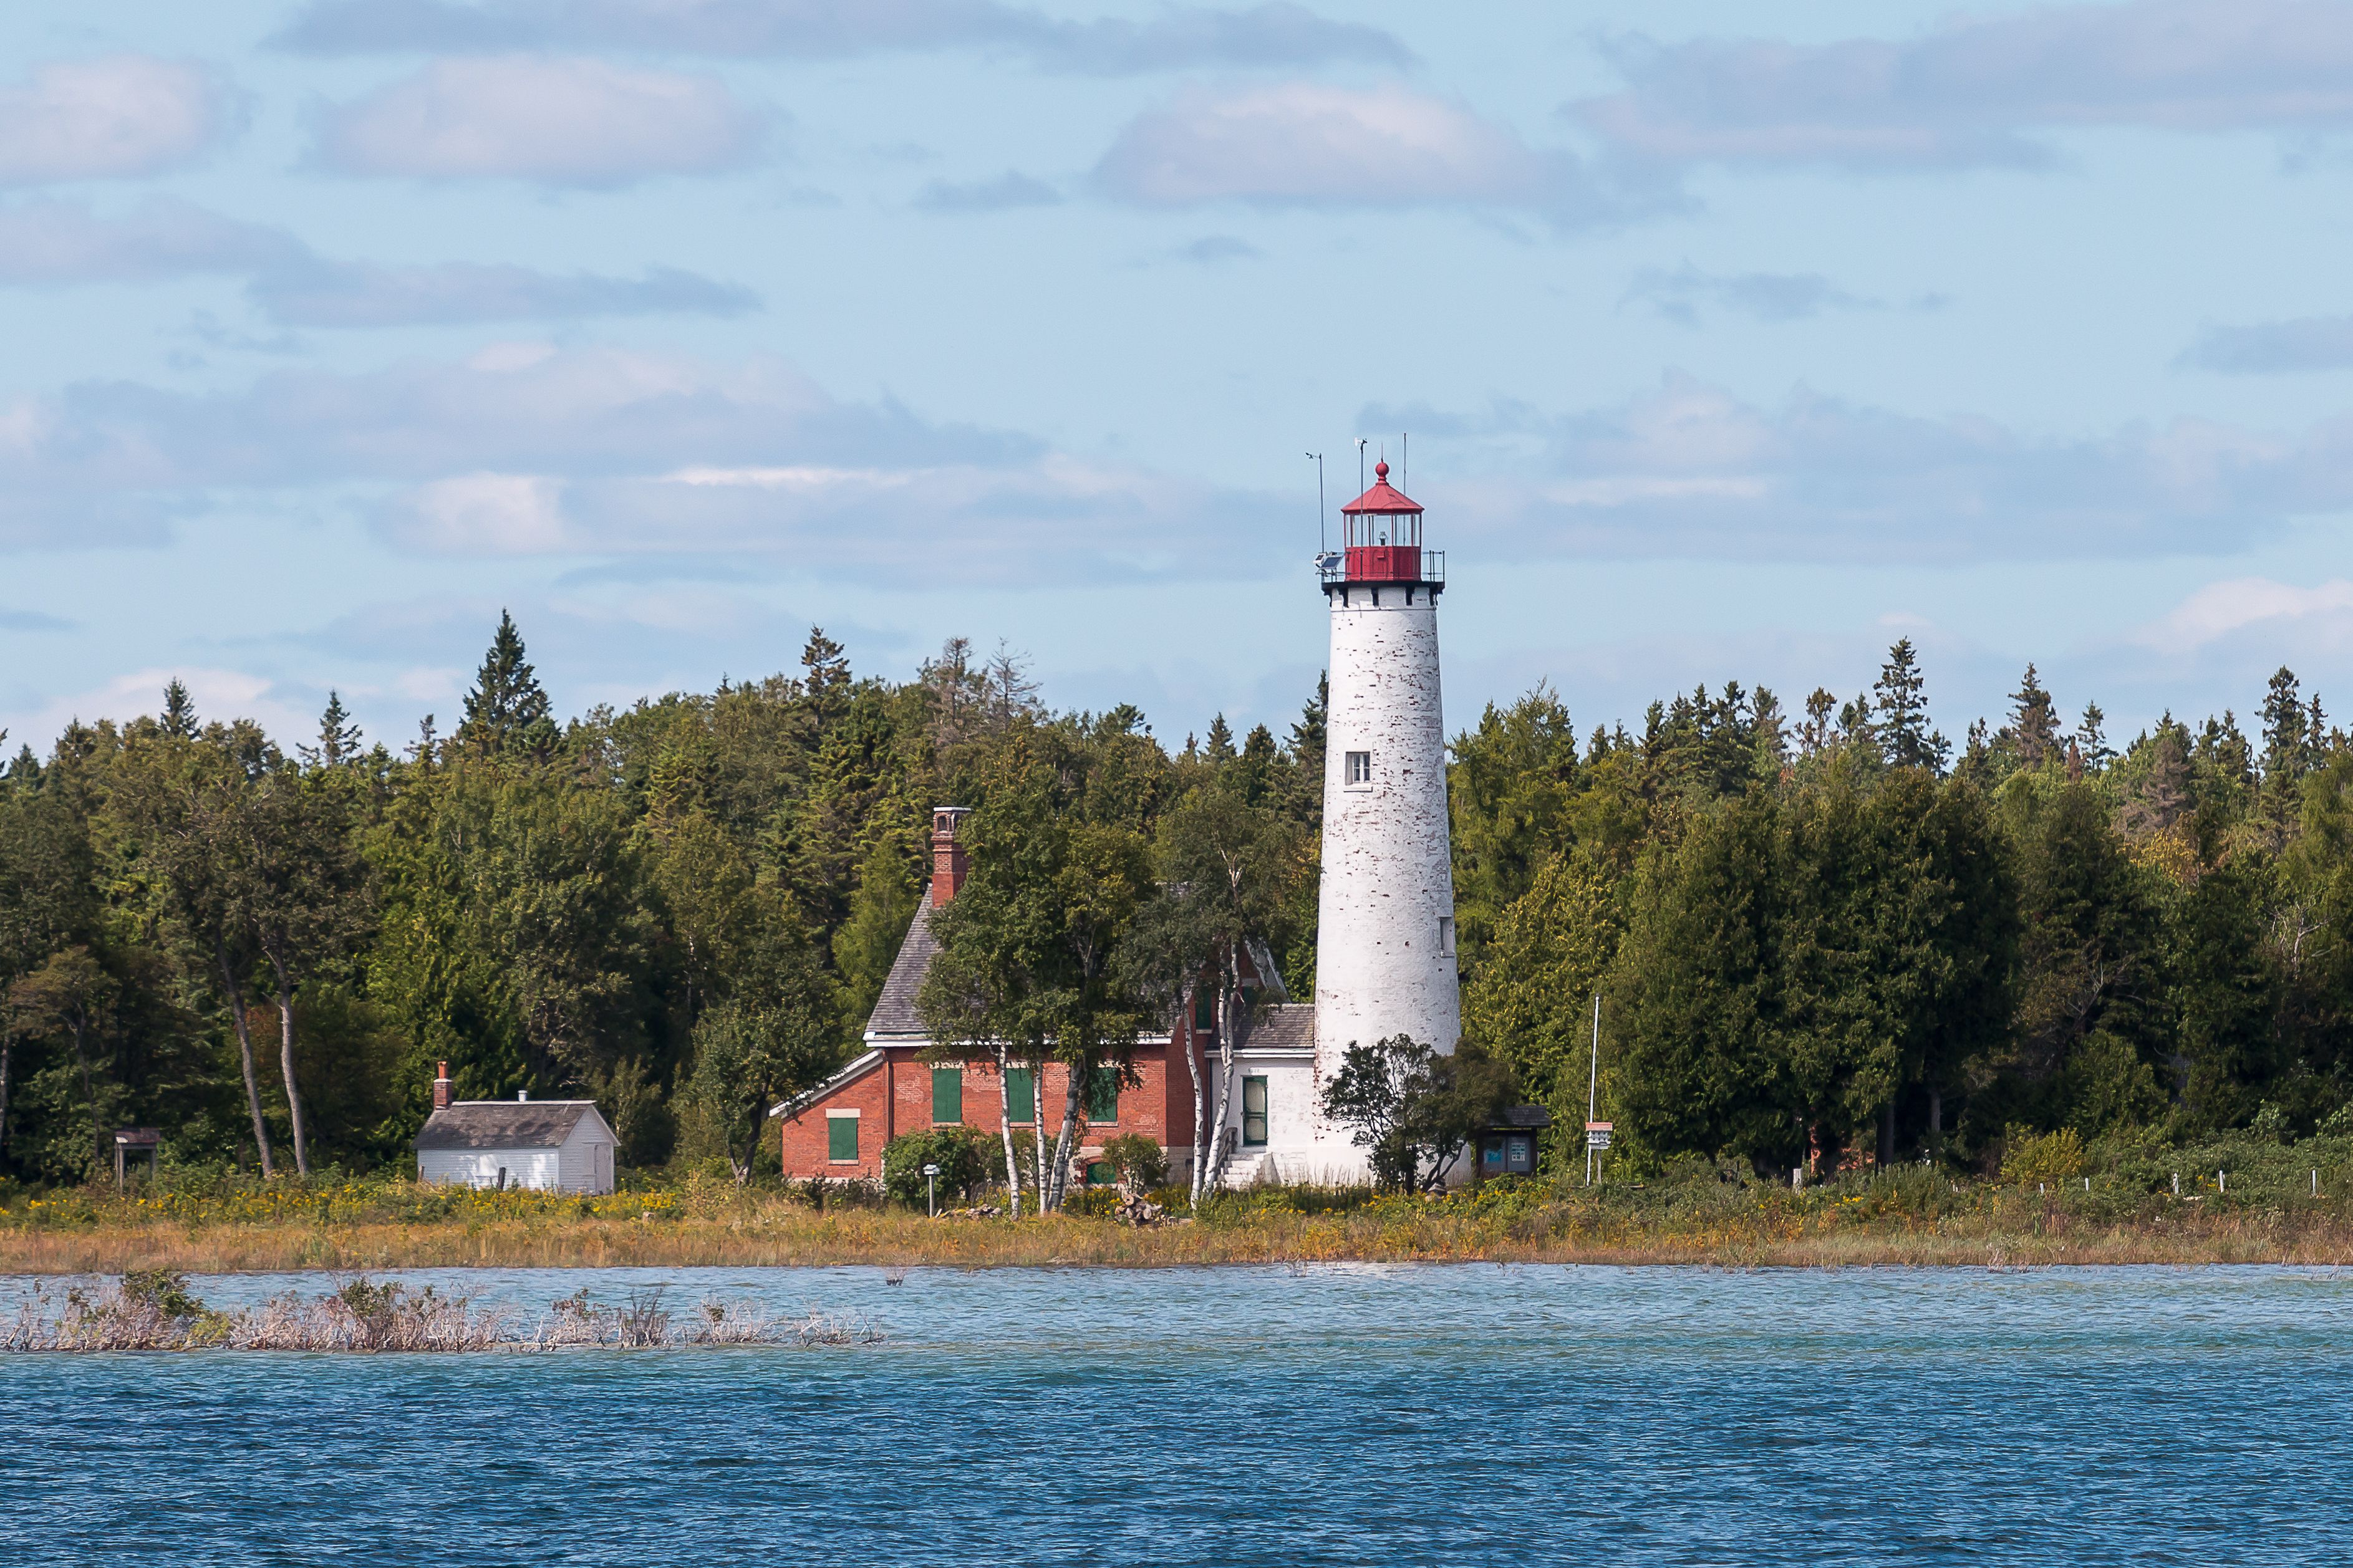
x: 179, y: 711
x: 2283, y: 730
x: 1220, y: 747
x: 1814, y: 736
x: 1903, y: 708
x: 2092, y: 736
x: 506, y: 699
x: 339, y: 739
x: 2034, y: 729
x: 825, y: 678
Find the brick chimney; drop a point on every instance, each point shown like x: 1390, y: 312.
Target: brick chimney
x: 441, y: 1086
x: 947, y: 854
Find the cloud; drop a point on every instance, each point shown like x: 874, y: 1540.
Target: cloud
x: 1307, y: 144
x: 1008, y: 190
x: 2221, y: 609
x: 1215, y: 249
x: 31, y: 621
x: 1276, y: 35
x: 557, y: 120
x: 1678, y: 293
x: 120, y: 116
x: 2309, y: 342
x: 529, y: 449
x: 1978, y: 90
x: 58, y: 244
x: 351, y: 294
x: 54, y: 242
x: 218, y: 694
x: 1690, y: 470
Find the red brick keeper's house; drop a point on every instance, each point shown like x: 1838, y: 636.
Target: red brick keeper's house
x: 839, y: 1129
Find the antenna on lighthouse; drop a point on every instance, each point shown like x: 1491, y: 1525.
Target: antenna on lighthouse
x: 1361, y: 465
x: 1320, y: 545
x: 1405, y: 464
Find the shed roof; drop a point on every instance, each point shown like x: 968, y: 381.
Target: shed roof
x: 894, y: 1011
x: 1523, y: 1116
x: 1286, y: 1025
x: 505, y: 1123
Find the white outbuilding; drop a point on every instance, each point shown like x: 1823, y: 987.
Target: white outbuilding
x: 553, y: 1146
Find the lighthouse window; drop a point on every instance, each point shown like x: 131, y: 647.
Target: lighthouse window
x: 1360, y: 768
x: 1446, y: 934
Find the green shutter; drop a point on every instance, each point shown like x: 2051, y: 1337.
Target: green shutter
x: 947, y: 1096
x: 1205, y: 1009
x: 1021, y: 1093
x: 1255, y: 1112
x: 841, y: 1138
x: 1102, y: 1097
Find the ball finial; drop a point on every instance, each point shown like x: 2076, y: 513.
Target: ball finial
x: 1381, y: 469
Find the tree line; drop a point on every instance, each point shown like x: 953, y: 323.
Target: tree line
x: 1818, y: 938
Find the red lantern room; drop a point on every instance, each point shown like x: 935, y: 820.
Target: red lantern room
x: 1381, y: 540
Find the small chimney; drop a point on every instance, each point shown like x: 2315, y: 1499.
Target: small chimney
x: 947, y: 854
x: 441, y: 1086
x: 521, y: 1095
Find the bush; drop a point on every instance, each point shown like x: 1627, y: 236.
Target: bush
x: 964, y: 1154
x: 1140, y: 1163
x: 2041, y: 1157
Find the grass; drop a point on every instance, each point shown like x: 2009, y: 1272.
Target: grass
x: 2264, y: 1213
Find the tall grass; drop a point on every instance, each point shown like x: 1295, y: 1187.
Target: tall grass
x: 154, y: 1311
x: 2264, y: 1209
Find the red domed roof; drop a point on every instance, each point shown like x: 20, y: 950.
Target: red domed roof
x: 1381, y: 498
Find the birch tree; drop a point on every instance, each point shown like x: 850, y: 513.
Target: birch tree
x: 1227, y: 870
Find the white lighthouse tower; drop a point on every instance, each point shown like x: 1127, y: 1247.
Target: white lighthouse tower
x: 1385, y: 959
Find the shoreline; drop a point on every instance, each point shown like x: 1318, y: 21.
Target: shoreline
x: 895, y: 1240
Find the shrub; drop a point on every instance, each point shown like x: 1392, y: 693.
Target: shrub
x: 2041, y: 1157
x: 1140, y: 1163
x: 964, y: 1154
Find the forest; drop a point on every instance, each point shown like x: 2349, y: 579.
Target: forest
x: 1820, y: 940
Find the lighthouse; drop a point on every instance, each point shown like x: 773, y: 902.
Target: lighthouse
x: 1384, y: 956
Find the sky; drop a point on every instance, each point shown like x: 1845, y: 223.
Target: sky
x: 1721, y: 342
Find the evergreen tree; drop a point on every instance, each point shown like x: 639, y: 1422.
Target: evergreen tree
x: 1219, y: 745
x: 2092, y: 737
x: 2033, y: 730
x: 1903, y: 713
x: 507, y: 703
x: 339, y: 738
x: 179, y: 717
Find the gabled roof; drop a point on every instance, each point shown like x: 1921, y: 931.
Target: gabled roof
x: 505, y: 1124
x: 856, y: 1070
x: 894, y: 1011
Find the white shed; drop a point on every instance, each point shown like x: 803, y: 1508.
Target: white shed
x: 556, y: 1145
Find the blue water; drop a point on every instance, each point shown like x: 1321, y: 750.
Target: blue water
x: 1343, y: 1415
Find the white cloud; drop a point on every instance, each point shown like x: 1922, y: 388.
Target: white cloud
x: 218, y: 693
x: 529, y: 448
x: 2307, y: 343
x: 55, y: 242
x: 59, y: 243
x: 1178, y: 38
x: 555, y: 121
x: 1690, y: 470
x: 2221, y: 609
x: 1308, y: 144
x: 118, y: 116
x: 1977, y: 89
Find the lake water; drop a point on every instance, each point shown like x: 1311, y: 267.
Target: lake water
x: 1346, y: 1414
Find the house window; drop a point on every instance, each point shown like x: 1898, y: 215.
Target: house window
x: 947, y: 1096
x: 1253, y: 1113
x: 1102, y: 1097
x: 841, y: 1135
x: 1021, y: 1094
x: 1446, y: 935
x: 1204, y: 1010
x: 1360, y: 769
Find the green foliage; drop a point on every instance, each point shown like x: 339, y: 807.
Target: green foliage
x: 1414, y: 1111
x: 2029, y: 1156
x: 967, y: 1157
x: 1140, y: 1162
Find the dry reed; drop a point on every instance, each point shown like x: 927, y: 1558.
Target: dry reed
x: 153, y: 1311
